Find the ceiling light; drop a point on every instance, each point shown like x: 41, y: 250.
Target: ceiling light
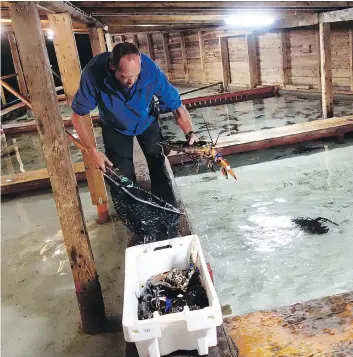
x: 249, y: 19
x: 50, y: 34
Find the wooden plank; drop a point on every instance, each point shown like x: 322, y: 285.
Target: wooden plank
x: 284, y: 68
x: 70, y: 71
x: 17, y: 64
x: 33, y: 180
x: 337, y: 16
x: 252, y: 61
x: 238, y: 5
x: 351, y: 56
x: 150, y: 46
x: 166, y: 54
x: 96, y: 38
x: 296, y: 21
x: 320, y: 327
x: 108, y: 41
x: 326, y: 70
x: 202, y: 56
x: 264, y: 139
x: 223, y: 41
x: 183, y: 54
x: 32, y: 49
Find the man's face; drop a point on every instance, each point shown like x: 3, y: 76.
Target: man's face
x: 128, y: 71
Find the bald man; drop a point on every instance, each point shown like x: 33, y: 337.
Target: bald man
x: 122, y: 84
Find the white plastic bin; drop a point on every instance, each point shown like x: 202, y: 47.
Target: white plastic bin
x: 164, y: 334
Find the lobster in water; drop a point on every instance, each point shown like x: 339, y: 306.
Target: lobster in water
x: 200, y: 152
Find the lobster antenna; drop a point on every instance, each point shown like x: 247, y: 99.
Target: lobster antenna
x: 207, y: 128
x: 218, y: 137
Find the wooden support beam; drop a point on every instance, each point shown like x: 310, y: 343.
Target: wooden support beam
x: 37, y: 71
x: 135, y: 40
x: 252, y: 60
x: 287, y: 135
x: 167, y: 54
x: 296, y: 21
x: 150, y: 46
x: 223, y: 41
x: 284, y: 47
x: 3, y: 98
x: 17, y: 64
x: 318, y: 57
x: 108, y: 41
x: 337, y: 15
x: 326, y: 70
x: 202, y: 56
x: 70, y: 71
x: 96, y: 37
x: 184, y: 57
x: 236, y: 5
x: 351, y: 56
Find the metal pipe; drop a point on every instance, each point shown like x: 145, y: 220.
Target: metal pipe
x: 75, y: 12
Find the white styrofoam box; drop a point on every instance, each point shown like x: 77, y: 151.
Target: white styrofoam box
x: 163, y: 334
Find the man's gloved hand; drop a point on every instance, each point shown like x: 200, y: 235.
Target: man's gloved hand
x: 191, y: 138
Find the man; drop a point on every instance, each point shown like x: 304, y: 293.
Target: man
x: 122, y: 84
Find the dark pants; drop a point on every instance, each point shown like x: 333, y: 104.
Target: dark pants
x: 119, y: 150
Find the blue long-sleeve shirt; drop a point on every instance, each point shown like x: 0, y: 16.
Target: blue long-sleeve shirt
x: 129, y: 115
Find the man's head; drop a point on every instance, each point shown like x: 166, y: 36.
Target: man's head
x: 125, y: 61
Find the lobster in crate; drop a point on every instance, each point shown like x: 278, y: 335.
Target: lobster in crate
x: 200, y: 152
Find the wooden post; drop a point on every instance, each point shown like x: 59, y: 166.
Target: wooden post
x: 70, y: 71
x: 225, y: 62
x: 326, y: 70
x: 108, y: 41
x: 136, y: 41
x: 318, y: 56
x: 284, y: 57
x: 252, y: 61
x: 183, y: 53
x: 166, y: 54
x: 202, y: 57
x: 351, y: 55
x: 96, y: 37
x: 32, y: 49
x: 149, y: 46
x: 17, y: 64
x: 3, y: 98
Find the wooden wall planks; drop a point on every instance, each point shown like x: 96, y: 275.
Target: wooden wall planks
x: 297, y: 51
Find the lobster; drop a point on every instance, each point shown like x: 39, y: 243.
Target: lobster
x: 199, y: 152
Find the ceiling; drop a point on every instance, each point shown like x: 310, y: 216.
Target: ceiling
x: 154, y: 16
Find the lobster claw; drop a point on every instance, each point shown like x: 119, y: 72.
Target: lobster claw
x: 224, y: 172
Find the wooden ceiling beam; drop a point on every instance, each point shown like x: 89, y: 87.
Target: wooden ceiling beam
x: 217, y: 4
x: 337, y: 16
x: 75, y: 12
x: 115, y: 11
x: 77, y: 26
x: 161, y: 19
x: 116, y: 29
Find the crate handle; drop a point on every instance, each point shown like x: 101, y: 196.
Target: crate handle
x: 163, y: 247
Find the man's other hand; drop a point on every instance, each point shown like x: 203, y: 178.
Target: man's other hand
x: 98, y: 159
x: 191, y: 138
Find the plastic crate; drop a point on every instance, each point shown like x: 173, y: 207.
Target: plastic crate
x: 164, y: 334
